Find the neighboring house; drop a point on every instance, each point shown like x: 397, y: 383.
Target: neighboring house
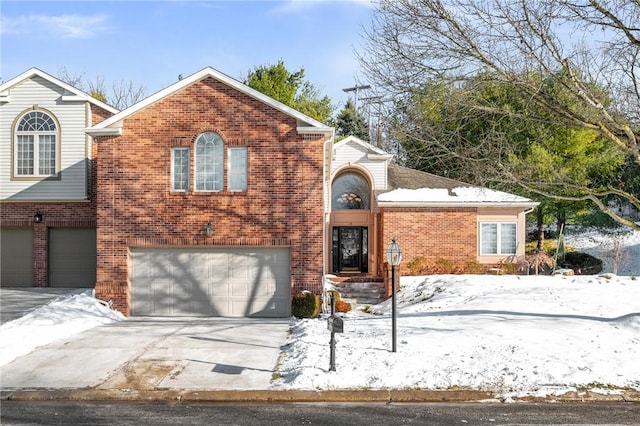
x: 212, y: 199
x: 47, y: 185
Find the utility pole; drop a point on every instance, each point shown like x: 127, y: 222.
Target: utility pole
x: 355, y: 89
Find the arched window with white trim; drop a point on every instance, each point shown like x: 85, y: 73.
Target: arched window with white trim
x: 36, y: 145
x: 350, y: 191
x: 209, y: 162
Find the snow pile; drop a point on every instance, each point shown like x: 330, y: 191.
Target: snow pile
x: 62, y: 317
x: 622, y: 248
x: 512, y: 335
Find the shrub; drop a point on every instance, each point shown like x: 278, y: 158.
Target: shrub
x: 305, y: 305
x: 342, y: 306
x: 416, y: 266
x: 582, y: 263
x: 446, y: 266
x: 473, y: 268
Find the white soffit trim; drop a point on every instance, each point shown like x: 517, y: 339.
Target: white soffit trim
x: 77, y: 94
x: 109, y: 131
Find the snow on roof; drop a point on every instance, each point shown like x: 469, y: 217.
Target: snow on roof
x: 458, y: 195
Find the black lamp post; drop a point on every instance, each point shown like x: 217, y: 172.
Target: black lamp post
x: 394, y: 256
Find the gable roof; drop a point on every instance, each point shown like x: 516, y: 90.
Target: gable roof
x: 367, y: 147
x: 410, y: 188
x: 74, y: 94
x: 113, y: 125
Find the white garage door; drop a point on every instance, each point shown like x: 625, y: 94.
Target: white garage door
x: 228, y: 282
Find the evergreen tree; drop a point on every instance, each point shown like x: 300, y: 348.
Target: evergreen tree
x: 350, y: 122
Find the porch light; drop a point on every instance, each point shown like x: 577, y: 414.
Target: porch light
x: 208, y: 230
x: 37, y: 218
x: 394, y: 256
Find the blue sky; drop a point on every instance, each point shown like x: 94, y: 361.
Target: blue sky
x: 152, y: 42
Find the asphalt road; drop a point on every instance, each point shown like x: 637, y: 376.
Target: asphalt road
x: 162, y: 413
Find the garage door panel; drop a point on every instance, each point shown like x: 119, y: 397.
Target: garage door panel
x: 16, y: 257
x: 72, y: 257
x: 211, y: 282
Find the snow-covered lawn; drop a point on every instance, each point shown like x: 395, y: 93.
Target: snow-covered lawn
x: 513, y: 335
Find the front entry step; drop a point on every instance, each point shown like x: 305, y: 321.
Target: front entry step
x: 364, y: 290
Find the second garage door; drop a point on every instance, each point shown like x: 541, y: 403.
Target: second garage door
x: 72, y: 257
x: 229, y: 282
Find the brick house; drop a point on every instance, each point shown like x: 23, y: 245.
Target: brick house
x: 209, y: 202
x: 212, y: 199
x: 437, y: 221
x: 47, y: 182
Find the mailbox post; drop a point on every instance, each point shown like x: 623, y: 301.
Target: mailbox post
x: 335, y: 325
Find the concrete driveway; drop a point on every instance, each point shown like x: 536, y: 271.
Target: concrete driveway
x: 153, y: 353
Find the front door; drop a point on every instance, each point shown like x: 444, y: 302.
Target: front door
x: 350, y: 249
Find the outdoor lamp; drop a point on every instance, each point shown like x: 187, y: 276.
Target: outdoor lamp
x: 37, y: 218
x: 394, y: 256
x: 394, y: 253
x: 208, y: 230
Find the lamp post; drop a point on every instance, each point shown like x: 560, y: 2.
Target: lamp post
x: 394, y: 256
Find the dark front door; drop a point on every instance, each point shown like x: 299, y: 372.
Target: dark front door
x: 350, y: 249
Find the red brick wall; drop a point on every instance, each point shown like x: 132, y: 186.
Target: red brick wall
x: 98, y: 114
x: 432, y: 233
x: 282, y: 206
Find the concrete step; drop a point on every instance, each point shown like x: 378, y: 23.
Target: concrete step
x: 364, y: 293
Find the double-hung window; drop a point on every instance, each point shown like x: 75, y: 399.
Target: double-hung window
x: 238, y: 169
x: 180, y: 169
x: 498, y: 238
x: 36, y: 141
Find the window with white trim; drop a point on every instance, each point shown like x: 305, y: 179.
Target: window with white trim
x: 36, y: 145
x: 498, y: 238
x: 180, y: 169
x: 209, y: 155
x: 238, y: 169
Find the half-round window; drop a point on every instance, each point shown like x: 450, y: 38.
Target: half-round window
x: 350, y: 191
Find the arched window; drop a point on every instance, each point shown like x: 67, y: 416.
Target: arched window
x: 209, y: 162
x: 36, y: 138
x: 350, y: 191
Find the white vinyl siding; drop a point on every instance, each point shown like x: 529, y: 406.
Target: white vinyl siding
x: 238, y: 169
x: 498, y: 238
x: 353, y: 153
x: 72, y: 118
x: 180, y: 170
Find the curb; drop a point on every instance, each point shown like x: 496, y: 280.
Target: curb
x: 294, y: 396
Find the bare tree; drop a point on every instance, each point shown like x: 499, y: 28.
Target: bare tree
x: 123, y: 93
x: 586, y: 53
x: 126, y: 93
